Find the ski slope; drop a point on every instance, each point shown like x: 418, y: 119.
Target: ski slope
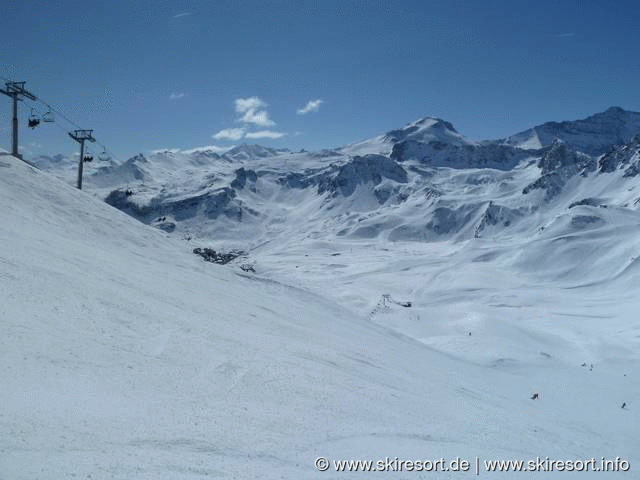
x: 125, y: 356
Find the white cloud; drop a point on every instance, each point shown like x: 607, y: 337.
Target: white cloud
x: 251, y: 103
x: 177, y: 96
x: 233, y: 134
x: 311, y: 106
x: 183, y: 14
x: 265, y: 134
x: 253, y: 111
x: 260, y: 118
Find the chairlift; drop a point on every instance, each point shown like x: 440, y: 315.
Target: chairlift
x: 34, y: 121
x: 48, y: 117
x: 104, y: 156
x: 88, y: 157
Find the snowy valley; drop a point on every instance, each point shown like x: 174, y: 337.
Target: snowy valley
x: 409, y: 294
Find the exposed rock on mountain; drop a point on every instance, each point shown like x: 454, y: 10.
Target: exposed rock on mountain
x: 559, y: 163
x: 360, y: 170
x: 622, y: 156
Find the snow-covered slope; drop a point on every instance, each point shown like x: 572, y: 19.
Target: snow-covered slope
x: 126, y: 356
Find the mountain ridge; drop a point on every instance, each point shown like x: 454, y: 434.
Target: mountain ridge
x: 426, y: 183
x: 619, y: 126
x: 593, y: 135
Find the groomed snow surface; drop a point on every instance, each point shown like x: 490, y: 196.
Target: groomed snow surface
x: 125, y: 356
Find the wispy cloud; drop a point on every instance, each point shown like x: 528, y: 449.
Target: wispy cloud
x: 233, y: 134
x: 183, y: 14
x: 252, y: 110
x: 265, y: 134
x: 311, y: 106
x: 177, y: 96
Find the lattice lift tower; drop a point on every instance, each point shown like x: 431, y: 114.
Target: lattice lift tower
x: 81, y: 136
x: 16, y: 91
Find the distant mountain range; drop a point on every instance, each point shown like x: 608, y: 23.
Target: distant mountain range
x: 422, y: 182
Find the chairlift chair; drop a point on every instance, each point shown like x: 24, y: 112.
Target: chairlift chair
x: 34, y: 121
x: 48, y: 117
x: 88, y: 157
x: 104, y: 156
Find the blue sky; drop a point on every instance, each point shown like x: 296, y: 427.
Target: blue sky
x: 158, y: 74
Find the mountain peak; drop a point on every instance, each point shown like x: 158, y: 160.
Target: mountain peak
x: 426, y: 130
x: 616, y: 110
x: 434, y: 122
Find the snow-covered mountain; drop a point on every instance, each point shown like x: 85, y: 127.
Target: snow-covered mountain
x: 436, y: 143
x: 126, y: 356
x: 247, y: 152
x: 625, y: 157
x: 53, y: 163
x: 428, y: 130
x: 419, y: 188
x: 422, y: 182
x: 593, y: 135
x: 425, y: 130
x: 389, y: 303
